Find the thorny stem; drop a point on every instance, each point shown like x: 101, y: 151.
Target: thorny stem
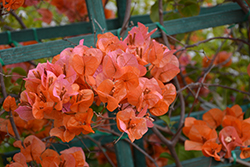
x: 10, y: 112
x: 202, y: 81
x: 133, y: 144
x: 20, y: 21
x: 207, y: 40
x: 211, y: 65
x: 182, y: 115
x: 93, y: 24
x: 169, y: 144
x: 168, y: 131
x: 165, y: 39
x: 101, y: 148
x: 102, y: 29
x: 194, y: 85
x: 83, y: 143
x: 126, y: 18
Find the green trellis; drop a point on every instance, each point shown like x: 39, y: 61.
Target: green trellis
x: 223, y: 14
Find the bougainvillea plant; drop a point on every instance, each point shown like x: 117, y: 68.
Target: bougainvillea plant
x: 112, y: 75
x: 219, y: 133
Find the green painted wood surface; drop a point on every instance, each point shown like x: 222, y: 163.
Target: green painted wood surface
x: 96, y: 15
x: 48, y: 49
x: 139, y: 158
x: 86, y: 27
x: 207, y: 162
x: 121, y: 9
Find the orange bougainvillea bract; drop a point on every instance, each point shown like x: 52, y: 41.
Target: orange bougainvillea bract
x: 234, y: 133
x: 9, y: 104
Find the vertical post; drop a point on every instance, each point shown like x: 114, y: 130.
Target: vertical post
x: 122, y: 148
x: 121, y: 9
x: 96, y: 15
x: 140, y: 159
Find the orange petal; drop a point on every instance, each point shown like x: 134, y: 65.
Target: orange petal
x: 9, y: 104
x: 213, y: 117
x: 245, y: 153
x: 192, y: 145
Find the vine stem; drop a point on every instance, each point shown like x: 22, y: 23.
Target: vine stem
x: 10, y: 112
x: 239, y: 161
x: 165, y: 38
x: 126, y: 18
x: 20, y: 21
x: 133, y: 144
x: 102, y: 149
x: 194, y: 85
x: 207, y: 40
x: 243, y: 6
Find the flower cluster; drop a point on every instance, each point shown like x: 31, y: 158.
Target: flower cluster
x: 33, y: 149
x: 114, y: 74
x: 12, y: 4
x: 234, y: 133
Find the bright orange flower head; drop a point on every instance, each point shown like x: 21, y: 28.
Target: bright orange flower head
x: 111, y: 93
x: 50, y: 158
x: 168, y: 71
x: 61, y: 91
x: 130, y: 77
x: 47, y: 15
x: 82, y: 101
x: 74, y: 10
x: 9, y: 104
x: 73, y: 125
x: 110, y: 67
x: 234, y: 111
x: 108, y: 42
x: 78, y: 155
x: 169, y: 94
x: 12, y: 4
x: 223, y: 58
x: 86, y: 60
x: 33, y: 148
x: 198, y: 132
x: 229, y: 139
x: 134, y: 126
x: 229, y: 120
x: 211, y: 149
x: 245, y: 135
x: 245, y: 153
x: 20, y: 161
x: 213, y: 117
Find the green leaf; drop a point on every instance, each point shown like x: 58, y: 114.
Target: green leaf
x: 171, y: 16
x: 166, y: 119
x: 154, y: 11
x: 188, y: 8
x: 154, y: 14
x: 167, y: 155
x: 185, y: 155
x: 20, y: 71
